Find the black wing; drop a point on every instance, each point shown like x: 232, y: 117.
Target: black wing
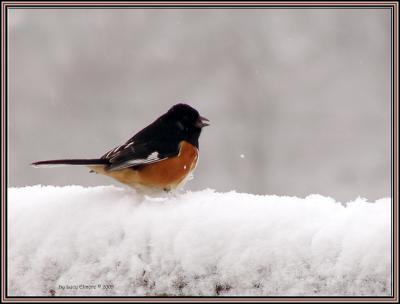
x: 140, y: 154
x: 152, y: 144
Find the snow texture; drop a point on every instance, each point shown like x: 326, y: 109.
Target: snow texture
x: 113, y: 241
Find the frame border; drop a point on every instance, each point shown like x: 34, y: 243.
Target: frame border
x: 7, y: 5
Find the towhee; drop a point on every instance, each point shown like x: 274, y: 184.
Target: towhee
x: 160, y: 156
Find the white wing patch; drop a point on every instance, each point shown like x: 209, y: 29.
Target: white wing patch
x: 117, y: 150
x: 128, y: 145
x: 152, y: 158
x: 113, y: 151
x: 153, y: 155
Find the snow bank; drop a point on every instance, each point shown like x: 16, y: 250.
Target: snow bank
x: 113, y: 241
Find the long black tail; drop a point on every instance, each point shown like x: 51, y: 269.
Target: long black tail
x: 76, y: 162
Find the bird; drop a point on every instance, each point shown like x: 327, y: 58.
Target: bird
x: 162, y: 156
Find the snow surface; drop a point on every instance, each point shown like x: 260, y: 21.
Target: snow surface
x: 114, y: 241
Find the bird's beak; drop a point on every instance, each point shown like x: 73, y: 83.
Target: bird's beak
x: 202, y: 122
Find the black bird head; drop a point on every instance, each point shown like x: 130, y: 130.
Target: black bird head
x: 188, y: 122
x: 187, y: 116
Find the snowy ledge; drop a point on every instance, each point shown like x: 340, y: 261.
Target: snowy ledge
x: 113, y: 241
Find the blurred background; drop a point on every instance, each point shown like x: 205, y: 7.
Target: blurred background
x: 299, y: 100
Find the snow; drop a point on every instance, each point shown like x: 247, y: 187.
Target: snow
x: 113, y: 241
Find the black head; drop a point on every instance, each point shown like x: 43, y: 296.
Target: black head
x: 188, y: 122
